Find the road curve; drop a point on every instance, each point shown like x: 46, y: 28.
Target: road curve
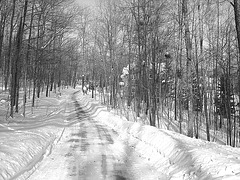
x: 90, y: 150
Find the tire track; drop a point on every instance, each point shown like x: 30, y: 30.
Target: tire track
x: 90, y: 150
x: 97, y: 152
x: 97, y: 138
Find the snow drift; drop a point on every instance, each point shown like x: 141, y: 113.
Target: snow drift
x: 25, y: 141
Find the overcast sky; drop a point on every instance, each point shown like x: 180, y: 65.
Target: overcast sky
x: 86, y: 2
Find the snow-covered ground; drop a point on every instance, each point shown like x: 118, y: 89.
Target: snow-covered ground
x: 25, y: 142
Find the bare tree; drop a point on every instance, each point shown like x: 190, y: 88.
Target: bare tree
x: 188, y: 44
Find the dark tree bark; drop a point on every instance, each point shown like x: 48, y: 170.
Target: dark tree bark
x: 19, y: 63
x: 7, y: 68
x: 237, y: 20
x: 15, y: 71
x: 188, y: 44
x: 2, y: 28
x: 237, y: 23
x: 8, y: 60
x: 27, y: 61
x: 37, y: 59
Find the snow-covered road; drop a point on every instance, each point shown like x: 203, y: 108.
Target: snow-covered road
x: 74, y: 137
x: 90, y: 150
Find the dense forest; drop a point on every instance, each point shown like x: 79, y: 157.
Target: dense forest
x: 173, y: 59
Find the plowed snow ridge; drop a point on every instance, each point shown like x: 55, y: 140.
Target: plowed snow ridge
x: 177, y: 155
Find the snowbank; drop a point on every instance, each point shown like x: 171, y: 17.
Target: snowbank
x: 20, y: 151
x: 24, y: 142
x: 177, y: 155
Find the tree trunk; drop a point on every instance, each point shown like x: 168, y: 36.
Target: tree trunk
x: 2, y: 28
x: 15, y: 71
x: 237, y: 20
x: 36, y: 64
x: 237, y: 23
x: 188, y: 44
x: 8, y: 60
x: 47, y: 89
x: 26, y: 61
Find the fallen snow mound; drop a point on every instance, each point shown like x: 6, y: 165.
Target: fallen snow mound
x: 177, y: 155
